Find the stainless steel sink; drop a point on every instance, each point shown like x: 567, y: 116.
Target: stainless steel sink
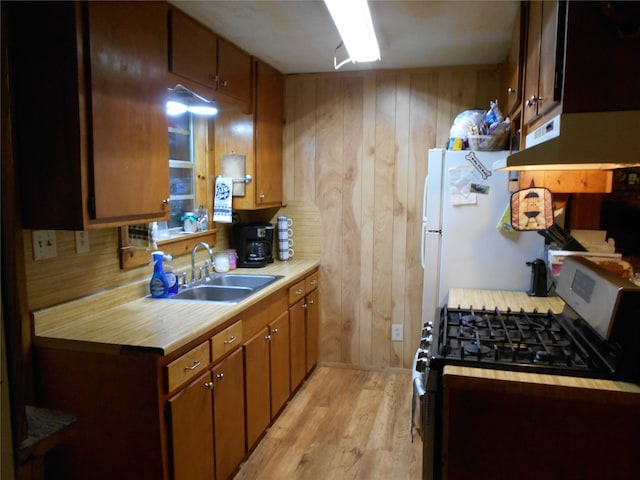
x: 225, y: 288
x: 241, y: 280
x: 213, y: 293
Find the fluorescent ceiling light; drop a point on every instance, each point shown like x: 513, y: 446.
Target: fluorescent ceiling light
x: 353, y: 21
x: 183, y: 100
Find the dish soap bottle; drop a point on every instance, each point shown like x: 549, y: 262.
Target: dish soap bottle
x: 170, y: 273
x: 159, y: 286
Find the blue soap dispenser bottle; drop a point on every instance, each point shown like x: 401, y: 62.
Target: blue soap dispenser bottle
x: 159, y: 286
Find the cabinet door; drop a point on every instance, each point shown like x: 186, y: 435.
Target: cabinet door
x: 532, y: 65
x: 544, y: 58
x: 298, y: 343
x: 269, y: 121
x: 234, y: 71
x: 191, y: 423
x: 228, y: 413
x: 193, y: 53
x: 551, y: 56
x: 129, y: 139
x: 512, y: 70
x: 279, y: 362
x: 312, y: 318
x: 257, y: 385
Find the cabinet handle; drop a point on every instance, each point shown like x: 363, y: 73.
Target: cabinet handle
x: 208, y: 385
x: 511, y: 91
x: 166, y: 201
x: 304, y: 305
x: 310, y: 302
x: 231, y: 340
x: 223, y: 83
x: 267, y: 338
x: 532, y: 101
x: 314, y: 282
x: 299, y: 291
x: 195, y: 365
x: 262, y: 196
x: 275, y: 331
x: 220, y: 376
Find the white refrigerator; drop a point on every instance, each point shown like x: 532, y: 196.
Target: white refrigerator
x: 462, y: 246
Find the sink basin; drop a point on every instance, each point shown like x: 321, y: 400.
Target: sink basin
x: 242, y: 280
x: 213, y: 293
x: 225, y: 288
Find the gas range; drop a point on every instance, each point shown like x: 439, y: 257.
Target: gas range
x: 525, y: 341
x: 597, y: 335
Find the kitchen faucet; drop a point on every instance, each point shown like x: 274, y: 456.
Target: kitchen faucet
x: 193, y: 258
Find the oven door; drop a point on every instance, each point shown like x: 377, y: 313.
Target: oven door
x: 425, y: 418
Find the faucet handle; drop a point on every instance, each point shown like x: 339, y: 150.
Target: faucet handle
x: 206, y: 268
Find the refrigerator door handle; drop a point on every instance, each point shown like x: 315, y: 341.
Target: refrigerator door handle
x: 423, y: 235
x: 424, y: 198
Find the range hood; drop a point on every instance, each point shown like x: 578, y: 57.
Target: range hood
x: 580, y: 141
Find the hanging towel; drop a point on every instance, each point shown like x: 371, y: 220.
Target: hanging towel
x: 222, y: 200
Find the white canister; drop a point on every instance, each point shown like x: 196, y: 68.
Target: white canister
x: 221, y: 262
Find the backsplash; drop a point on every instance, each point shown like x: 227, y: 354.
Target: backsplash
x: 70, y: 275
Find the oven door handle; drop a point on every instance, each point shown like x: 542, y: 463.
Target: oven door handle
x: 417, y: 393
x: 418, y: 387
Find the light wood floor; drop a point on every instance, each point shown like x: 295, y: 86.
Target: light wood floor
x: 342, y: 424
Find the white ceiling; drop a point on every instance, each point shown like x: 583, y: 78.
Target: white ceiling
x: 298, y: 36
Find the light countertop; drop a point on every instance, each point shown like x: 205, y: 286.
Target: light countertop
x: 490, y: 299
x: 105, y: 323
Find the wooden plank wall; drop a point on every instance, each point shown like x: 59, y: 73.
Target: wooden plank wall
x: 356, y: 145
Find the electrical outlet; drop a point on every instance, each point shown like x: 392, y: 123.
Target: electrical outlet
x: 82, y: 241
x: 396, y: 332
x: 44, y: 244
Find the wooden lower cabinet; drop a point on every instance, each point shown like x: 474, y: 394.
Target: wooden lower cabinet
x: 279, y: 362
x: 228, y: 414
x: 312, y: 317
x: 298, y: 343
x: 191, y: 423
x: 188, y: 416
x: 303, y: 323
x: 257, y: 385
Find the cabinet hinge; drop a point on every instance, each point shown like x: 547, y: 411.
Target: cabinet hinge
x: 92, y: 206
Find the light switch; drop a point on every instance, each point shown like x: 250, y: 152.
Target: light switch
x: 44, y: 244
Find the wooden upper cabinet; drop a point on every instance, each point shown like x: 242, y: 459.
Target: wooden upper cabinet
x: 234, y: 71
x: 269, y: 124
x: 194, y: 49
x: 259, y: 138
x: 199, y: 55
x: 544, y: 58
x: 513, y: 66
x: 578, y: 59
x: 91, y: 138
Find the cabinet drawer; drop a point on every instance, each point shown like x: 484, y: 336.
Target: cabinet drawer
x: 226, y: 340
x: 187, y: 366
x: 311, y: 282
x: 296, y: 292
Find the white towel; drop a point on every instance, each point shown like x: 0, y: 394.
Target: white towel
x: 222, y: 200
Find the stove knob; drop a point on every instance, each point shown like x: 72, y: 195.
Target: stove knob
x: 428, y: 340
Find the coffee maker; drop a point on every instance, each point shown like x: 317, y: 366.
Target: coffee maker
x: 253, y: 243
